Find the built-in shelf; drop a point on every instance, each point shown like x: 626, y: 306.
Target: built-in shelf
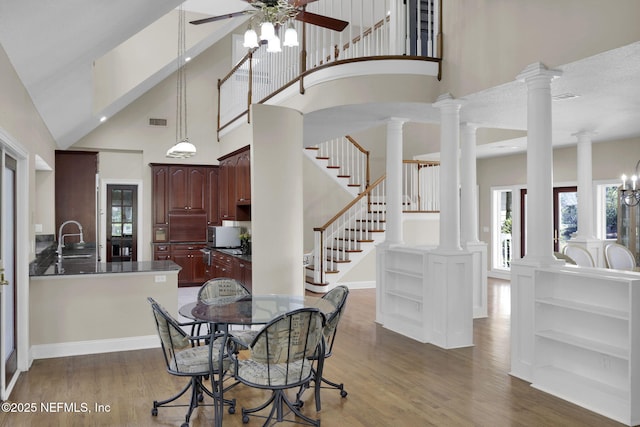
x: 587, y: 339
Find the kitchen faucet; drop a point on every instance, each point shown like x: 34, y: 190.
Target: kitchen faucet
x: 62, y: 236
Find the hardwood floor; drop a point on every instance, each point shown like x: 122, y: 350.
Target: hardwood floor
x: 391, y: 381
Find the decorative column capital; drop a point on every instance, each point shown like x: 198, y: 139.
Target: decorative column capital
x: 447, y: 101
x: 584, y: 136
x: 537, y: 70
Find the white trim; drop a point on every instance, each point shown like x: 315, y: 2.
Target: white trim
x: 103, y: 219
x: 77, y: 348
x: 364, y: 284
x: 11, y: 146
x: 373, y: 67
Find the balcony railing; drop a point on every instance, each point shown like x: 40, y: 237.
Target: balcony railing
x: 377, y: 28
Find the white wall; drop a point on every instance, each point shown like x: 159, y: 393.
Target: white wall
x: 276, y: 201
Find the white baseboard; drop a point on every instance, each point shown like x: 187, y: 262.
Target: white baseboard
x: 371, y: 284
x: 77, y: 348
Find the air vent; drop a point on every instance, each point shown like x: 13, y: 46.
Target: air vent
x: 158, y: 122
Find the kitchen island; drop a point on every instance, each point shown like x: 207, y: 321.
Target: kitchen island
x: 82, y: 306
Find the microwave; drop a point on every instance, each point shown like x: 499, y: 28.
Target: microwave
x: 223, y: 237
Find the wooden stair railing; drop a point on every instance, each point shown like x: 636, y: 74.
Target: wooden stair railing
x: 343, y: 234
x: 365, y: 215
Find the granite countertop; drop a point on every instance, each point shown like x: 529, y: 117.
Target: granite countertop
x: 83, y: 260
x: 234, y: 253
x: 69, y: 267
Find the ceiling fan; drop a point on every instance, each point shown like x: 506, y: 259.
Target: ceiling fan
x: 277, y: 12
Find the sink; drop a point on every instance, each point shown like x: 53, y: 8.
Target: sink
x: 76, y: 256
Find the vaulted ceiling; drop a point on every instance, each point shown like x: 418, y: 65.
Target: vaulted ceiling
x: 53, y: 45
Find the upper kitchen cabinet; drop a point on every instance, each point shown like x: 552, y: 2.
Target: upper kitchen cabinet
x: 184, y: 193
x: 187, y: 188
x: 243, y: 178
x: 213, y: 210
x: 234, y: 186
x: 160, y: 202
x: 75, y: 186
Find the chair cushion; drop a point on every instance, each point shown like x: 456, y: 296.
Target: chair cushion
x: 243, y: 337
x: 194, y: 360
x: 262, y: 374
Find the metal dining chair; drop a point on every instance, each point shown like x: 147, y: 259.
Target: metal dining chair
x: 337, y: 297
x: 185, y: 356
x: 282, y: 357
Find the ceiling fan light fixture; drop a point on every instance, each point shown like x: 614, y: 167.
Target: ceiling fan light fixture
x: 250, y: 38
x: 267, y: 31
x: 290, y: 37
x: 273, y: 45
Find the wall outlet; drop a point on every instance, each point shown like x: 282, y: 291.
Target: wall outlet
x: 37, y: 228
x: 161, y: 279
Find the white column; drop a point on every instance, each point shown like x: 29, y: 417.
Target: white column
x: 469, y: 218
x: 539, y: 164
x: 393, y: 228
x: 449, y: 167
x: 586, y: 228
x: 539, y: 218
x: 468, y: 187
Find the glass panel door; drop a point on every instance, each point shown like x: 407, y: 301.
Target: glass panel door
x: 8, y: 301
x: 502, y: 226
x: 565, y: 217
x: 121, y: 222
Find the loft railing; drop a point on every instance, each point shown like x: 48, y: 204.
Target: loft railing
x: 377, y: 28
x: 366, y: 214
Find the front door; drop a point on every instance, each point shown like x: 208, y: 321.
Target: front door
x: 8, y: 300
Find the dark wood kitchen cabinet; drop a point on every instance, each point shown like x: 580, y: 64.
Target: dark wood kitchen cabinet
x: 184, y: 201
x: 160, y: 203
x: 187, y: 188
x: 234, y: 185
x: 226, y: 189
x: 213, y: 210
x: 243, y: 272
x: 189, y: 257
x: 75, y: 195
x: 243, y: 178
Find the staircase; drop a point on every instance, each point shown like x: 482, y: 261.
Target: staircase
x: 354, y: 231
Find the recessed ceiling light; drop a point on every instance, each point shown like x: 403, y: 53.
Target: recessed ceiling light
x: 103, y: 119
x: 187, y: 59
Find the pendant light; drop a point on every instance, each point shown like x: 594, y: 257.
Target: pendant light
x: 183, y: 148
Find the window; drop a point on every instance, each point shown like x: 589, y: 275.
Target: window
x: 607, y: 210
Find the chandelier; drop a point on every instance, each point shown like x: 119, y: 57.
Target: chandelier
x: 630, y: 196
x: 272, y: 14
x: 183, y: 148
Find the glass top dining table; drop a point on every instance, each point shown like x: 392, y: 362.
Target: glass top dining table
x: 245, y: 310
x: 250, y: 309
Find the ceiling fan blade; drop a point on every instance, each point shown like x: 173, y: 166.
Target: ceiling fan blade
x: 218, y: 18
x: 321, y: 20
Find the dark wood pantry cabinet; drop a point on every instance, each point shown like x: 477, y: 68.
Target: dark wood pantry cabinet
x: 184, y: 201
